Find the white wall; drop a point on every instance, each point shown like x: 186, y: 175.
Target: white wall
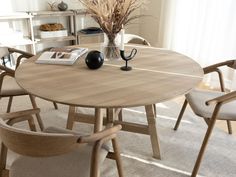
x: 149, y: 23
x: 31, y: 5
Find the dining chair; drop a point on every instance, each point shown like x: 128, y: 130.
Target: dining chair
x: 11, y: 119
x: 8, y: 86
x: 57, y: 152
x: 196, y: 98
x: 135, y: 39
x: 212, y: 106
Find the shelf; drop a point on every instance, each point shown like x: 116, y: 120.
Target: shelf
x: 65, y: 38
x: 23, y: 41
x: 41, y: 14
x: 13, y: 16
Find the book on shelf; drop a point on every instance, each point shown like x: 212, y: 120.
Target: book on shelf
x: 63, y: 56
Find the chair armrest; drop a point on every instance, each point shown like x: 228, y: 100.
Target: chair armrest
x: 18, y: 114
x: 26, y: 54
x: 7, y: 70
x: 108, y: 133
x: 214, y: 67
x: 223, y: 99
x: 23, y: 54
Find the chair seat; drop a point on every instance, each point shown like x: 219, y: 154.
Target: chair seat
x: 197, y: 99
x: 73, y: 164
x: 11, y: 88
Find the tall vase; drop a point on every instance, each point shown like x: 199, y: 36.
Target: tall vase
x: 111, y: 47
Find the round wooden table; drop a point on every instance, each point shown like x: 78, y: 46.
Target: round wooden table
x: 158, y: 75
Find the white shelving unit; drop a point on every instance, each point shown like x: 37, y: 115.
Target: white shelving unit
x: 67, y: 15
x: 10, y: 39
x: 34, y: 18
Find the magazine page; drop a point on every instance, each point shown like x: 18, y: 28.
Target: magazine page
x: 65, y: 56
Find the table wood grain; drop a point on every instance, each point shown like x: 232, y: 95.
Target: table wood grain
x: 157, y: 75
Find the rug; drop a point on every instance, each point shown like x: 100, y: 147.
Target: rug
x: 179, y: 149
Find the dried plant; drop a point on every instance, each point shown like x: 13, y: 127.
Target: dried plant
x: 112, y: 14
x: 52, y: 5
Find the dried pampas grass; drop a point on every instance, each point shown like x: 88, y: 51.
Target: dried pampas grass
x: 112, y: 14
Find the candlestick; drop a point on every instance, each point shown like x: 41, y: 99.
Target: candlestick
x: 127, y: 58
x: 122, y: 34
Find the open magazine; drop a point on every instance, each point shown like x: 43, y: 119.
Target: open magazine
x: 63, y: 56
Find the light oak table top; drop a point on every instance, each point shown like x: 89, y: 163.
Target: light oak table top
x: 157, y: 75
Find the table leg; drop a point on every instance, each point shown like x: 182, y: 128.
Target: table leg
x: 98, y: 120
x: 153, y: 131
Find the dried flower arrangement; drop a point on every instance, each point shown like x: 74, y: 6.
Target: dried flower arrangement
x: 111, y: 15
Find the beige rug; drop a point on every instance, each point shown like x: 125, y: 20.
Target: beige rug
x: 179, y: 149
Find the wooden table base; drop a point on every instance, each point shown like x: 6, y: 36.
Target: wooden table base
x: 98, y: 120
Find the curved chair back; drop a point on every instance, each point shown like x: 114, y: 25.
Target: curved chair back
x: 135, y: 39
x: 36, y: 144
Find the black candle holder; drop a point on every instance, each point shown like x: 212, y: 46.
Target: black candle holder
x: 127, y: 58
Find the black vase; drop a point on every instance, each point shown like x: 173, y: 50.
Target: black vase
x: 94, y: 59
x: 62, y: 6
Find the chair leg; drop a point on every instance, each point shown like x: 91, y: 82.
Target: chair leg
x: 117, y: 157
x: 155, y: 109
x: 229, y: 127
x: 9, y: 104
x: 3, y: 159
x: 94, y: 169
x: 120, y: 115
x: 32, y: 124
x: 205, y: 141
x: 34, y: 105
x: 55, y: 105
x: 181, y: 114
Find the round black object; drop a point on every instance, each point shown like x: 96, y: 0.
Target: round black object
x: 62, y: 6
x: 94, y: 59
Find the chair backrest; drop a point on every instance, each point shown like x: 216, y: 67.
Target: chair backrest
x: 135, y: 39
x: 36, y: 144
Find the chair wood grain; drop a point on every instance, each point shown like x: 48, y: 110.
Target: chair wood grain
x: 41, y: 144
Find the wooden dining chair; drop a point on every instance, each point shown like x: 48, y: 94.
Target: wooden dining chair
x: 135, y: 39
x: 10, y: 119
x: 56, y: 152
x: 197, y: 98
x: 8, y: 86
x: 212, y: 106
